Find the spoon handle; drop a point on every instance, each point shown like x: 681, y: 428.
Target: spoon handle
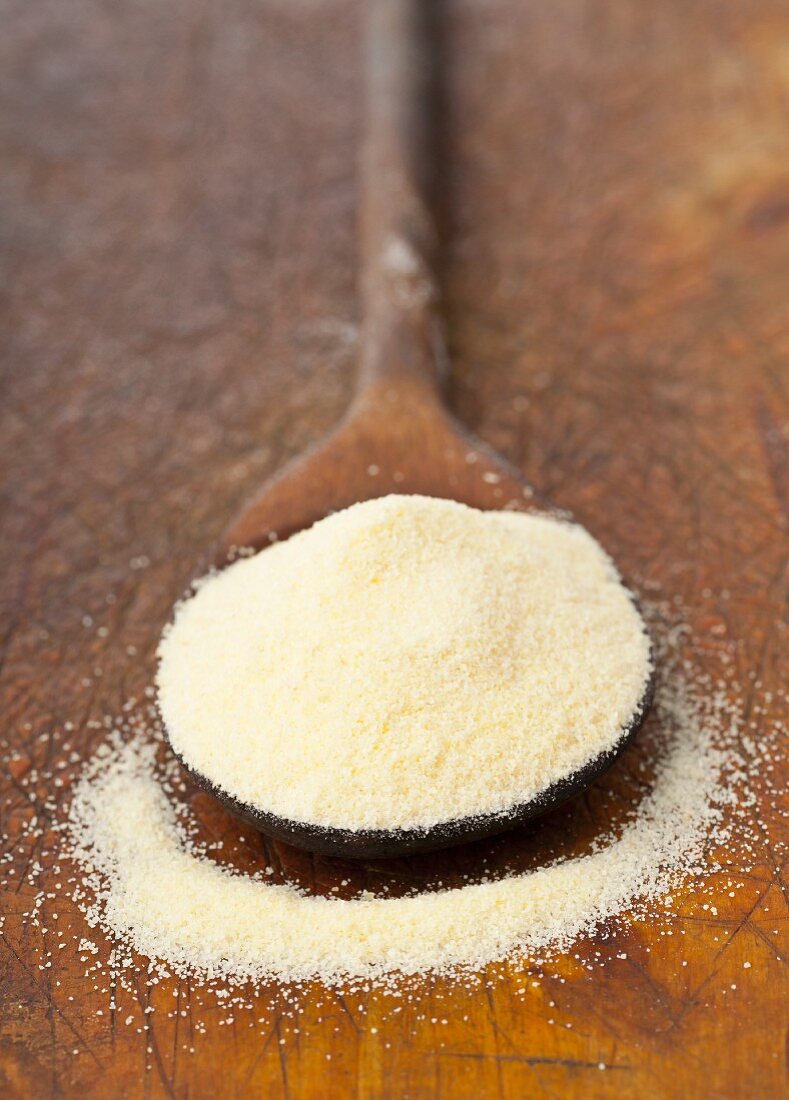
x: 402, y: 340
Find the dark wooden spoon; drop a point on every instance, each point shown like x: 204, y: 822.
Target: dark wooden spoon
x: 397, y: 436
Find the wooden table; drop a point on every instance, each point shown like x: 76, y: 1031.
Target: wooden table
x: 179, y: 312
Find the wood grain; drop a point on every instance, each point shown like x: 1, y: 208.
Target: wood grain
x: 180, y: 314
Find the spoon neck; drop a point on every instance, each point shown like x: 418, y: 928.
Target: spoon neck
x: 403, y: 351
x: 402, y: 343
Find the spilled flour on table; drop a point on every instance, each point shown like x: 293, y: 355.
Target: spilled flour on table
x: 131, y: 860
x: 157, y: 891
x: 153, y: 888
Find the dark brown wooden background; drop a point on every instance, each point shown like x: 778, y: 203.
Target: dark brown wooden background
x: 177, y: 200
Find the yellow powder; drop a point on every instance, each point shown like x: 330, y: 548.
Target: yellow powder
x: 146, y: 883
x: 405, y: 662
x: 137, y: 870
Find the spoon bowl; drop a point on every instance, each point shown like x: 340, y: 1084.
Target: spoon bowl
x: 402, y: 441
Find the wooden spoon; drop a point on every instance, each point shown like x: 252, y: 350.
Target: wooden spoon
x: 397, y: 436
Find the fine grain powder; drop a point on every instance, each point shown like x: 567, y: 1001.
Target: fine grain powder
x: 158, y: 892
x: 405, y: 662
x: 164, y: 901
x: 154, y: 889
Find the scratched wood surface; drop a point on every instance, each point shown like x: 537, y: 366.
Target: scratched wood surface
x: 179, y: 318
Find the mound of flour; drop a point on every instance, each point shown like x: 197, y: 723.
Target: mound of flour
x: 405, y: 662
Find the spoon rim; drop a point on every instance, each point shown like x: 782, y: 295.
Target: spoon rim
x: 344, y: 843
